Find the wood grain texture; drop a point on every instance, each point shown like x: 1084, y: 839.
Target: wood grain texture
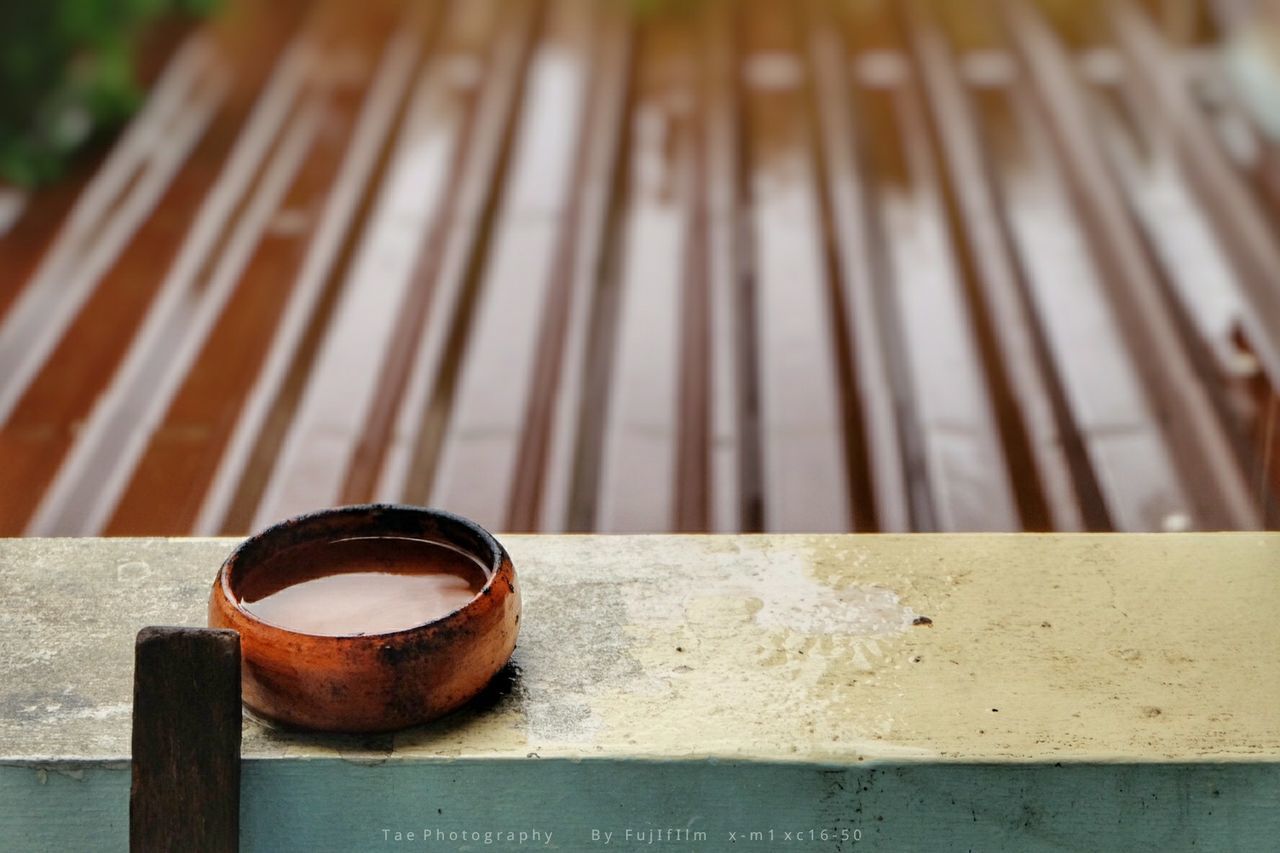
x: 186, y: 741
x: 570, y: 266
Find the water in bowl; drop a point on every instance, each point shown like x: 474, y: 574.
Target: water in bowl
x: 351, y: 587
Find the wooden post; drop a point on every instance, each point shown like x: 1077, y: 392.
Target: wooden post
x: 186, y: 741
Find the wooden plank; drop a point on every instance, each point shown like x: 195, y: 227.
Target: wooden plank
x: 638, y: 485
x: 1254, y: 154
x: 541, y: 490
x: 879, y: 362
x: 567, y: 467
x: 232, y: 220
x: 30, y: 222
x: 693, y: 469
x: 1127, y: 452
x: 874, y: 68
x: 1244, y: 231
x: 961, y: 458
x: 434, y: 297
x: 182, y: 456
x: 1177, y: 229
x: 1203, y: 445
x: 721, y: 148
x: 261, y: 423
x: 804, y: 444
x: 404, y: 462
x: 1031, y: 416
x: 30, y: 358
x: 478, y: 460
x: 369, y: 334
x: 186, y: 741
x: 43, y: 423
x: 229, y: 272
x: 114, y: 205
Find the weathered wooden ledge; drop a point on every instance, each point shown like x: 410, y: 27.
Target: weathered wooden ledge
x: 930, y: 692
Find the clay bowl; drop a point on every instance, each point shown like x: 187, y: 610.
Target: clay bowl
x: 378, y: 681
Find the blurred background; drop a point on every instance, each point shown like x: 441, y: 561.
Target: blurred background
x: 694, y: 265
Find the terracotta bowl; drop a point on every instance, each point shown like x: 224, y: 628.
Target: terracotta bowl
x: 370, y: 682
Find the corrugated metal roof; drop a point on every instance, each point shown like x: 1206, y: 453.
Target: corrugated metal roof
x: 724, y: 266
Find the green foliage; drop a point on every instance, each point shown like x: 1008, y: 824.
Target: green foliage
x: 67, y: 73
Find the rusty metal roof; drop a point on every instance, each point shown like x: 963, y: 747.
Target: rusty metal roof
x: 715, y: 266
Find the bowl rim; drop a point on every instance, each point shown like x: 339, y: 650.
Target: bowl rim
x: 494, y: 564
